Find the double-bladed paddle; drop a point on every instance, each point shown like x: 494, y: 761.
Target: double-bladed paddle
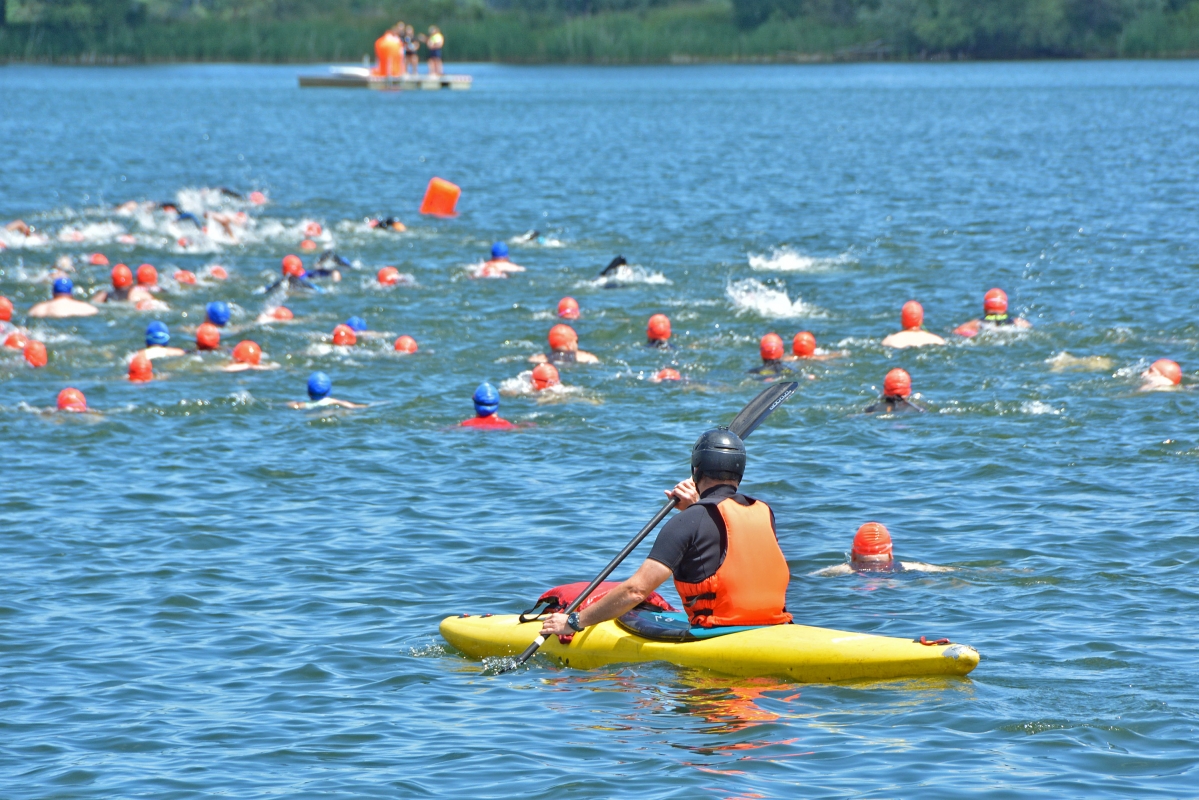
x: 745, y: 423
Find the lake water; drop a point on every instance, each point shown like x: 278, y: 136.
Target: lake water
x: 208, y: 593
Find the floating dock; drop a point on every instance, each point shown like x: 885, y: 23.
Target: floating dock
x: 361, y: 78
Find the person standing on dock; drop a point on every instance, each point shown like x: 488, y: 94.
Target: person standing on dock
x: 411, y: 50
x: 389, y: 51
x: 436, y: 42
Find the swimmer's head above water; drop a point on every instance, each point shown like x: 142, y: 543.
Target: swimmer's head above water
x: 157, y: 334
x: 218, y: 313
x: 568, y: 308
x: 563, y: 339
x: 293, y: 267
x: 897, y: 383
x: 871, y: 547
x: 63, y: 287
x: 771, y: 347
x: 122, y: 277
x: 657, y: 332
x: 319, y: 386
x: 912, y: 316
x: 803, y: 345
x: 499, y: 252
x: 486, y: 399
x: 995, y: 302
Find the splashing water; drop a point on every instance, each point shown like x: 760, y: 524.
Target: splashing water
x: 750, y: 295
x: 785, y: 259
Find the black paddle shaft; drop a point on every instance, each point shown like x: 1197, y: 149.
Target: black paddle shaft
x: 745, y: 423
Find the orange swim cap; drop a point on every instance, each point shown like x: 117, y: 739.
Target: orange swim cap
x: 803, y: 345
x: 185, y: 276
x: 257, y: 198
x: 771, y: 347
x: 208, y: 336
x: 16, y: 340
x: 568, y: 308
x: 71, y: 400
x: 405, y: 344
x: 218, y: 272
x: 995, y: 301
x: 667, y: 374
x: 872, y: 539
x: 98, y: 260
x: 344, y: 335
x: 1168, y: 369
x: 147, y: 275
x: 247, y: 352
x: 912, y: 315
x: 35, y: 353
x: 307, y: 245
x: 562, y: 337
x: 658, y: 329
x: 282, y: 313
x: 122, y: 277
x: 898, y: 383
x: 292, y: 266
x: 5, y: 309
x: 545, y: 376
x: 140, y: 369
x: 389, y: 276
x: 312, y: 229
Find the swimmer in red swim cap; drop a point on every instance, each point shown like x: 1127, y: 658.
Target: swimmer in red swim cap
x: 657, y: 331
x: 568, y: 308
x: 544, y: 377
x: 405, y: 344
x: 897, y: 395
x: 344, y: 336
x: 185, y: 277
x: 147, y: 278
x: 803, y: 348
x: 666, y: 374
x: 6, y: 326
x: 247, y: 355
x: 911, y: 317
x: 141, y: 369
x: 71, y: 399
x: 1162, y: 374
x: 871, y: 552
x: 122, y: 289
x: 208, y: 336
x: 35, y: 354
x: 995, y: 316
x: 487, y: 406
x: 564, y: 348
x: 771, y: 349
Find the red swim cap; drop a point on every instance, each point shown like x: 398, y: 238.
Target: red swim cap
x: 293, y: 266
x: 872, y: 539
x: 283, y: 313
x: 257, y: 198
x: 185, y: 276
x: 71, y: 400
x: 147, y: 275
x: 218, y: 272
x: 312, y: 229
x: 247, y: 352
x: 389, y: 276
x: 562, y: 337
x: 140, y: 369
x: 803, y: 345
x: 995, y: 301
x: 658, y: 329
x: 16, y: 340
x: 35, y: 353
x: 1168, y: 369
x: 122, y: 277
x: 771, y: 347
x: 405, y: 344
x: 98, y: 260
x: 208, y: 336
x: 5, y: 309
x: 307, y: 245
x: 568, y: 308
x: 667, y: 374
x: 898, y: 383
x: 912, y: 316
x: 545, y: 376
x: 344, y: 335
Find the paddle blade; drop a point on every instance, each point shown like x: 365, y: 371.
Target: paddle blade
x: 758, y: 409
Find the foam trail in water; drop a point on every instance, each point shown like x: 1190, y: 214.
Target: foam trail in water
x: 784, y: 259
x: 751, y: 295
x: 627, y: 275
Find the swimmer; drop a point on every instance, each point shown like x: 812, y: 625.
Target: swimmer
x: 666, y: 374
x: 71, y: 399
x: 141, y: 370
x: 147, y: 278
x: 294, y: 276
x: 657, y: 332
x: 158, y: 340
x: 35, y: 354
x: 344, y: 336
x: 771, y: 350
x: 1162, y: 375
x: 123, y: 290
x: 387, y: 224
x: 405, y: 345
x: 498, y: 266
x: 614, y: 265
x: 530, y: 237
x: 911, y: 317
x: 276, y: 314
x: 358, y: 325
x: 568, y: 308
x: 544, y: 376
x: 208, y: 337
x: 247, y: 355
x: 20, y: 226
x: 217, y: 313
x: 63, y: 305
x: 803, y: 348
x: 897, y: 392
x: 1064, y: 361
x: 871, y: 552
x: 6, y: 325
x: 487, y: 406
x: 564, y: 348
x: 995, y: 316
x: 319, y: 387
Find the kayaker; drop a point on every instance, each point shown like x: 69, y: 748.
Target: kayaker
x: 995, y: 316
x: 657, y: 331
x: 771, y: 349
x: 872, y: 552
x: 564, y: 348
x: 62, y: 304
x: 722, y: 550
x: 158, y: 340
x: 911, y: 317
x: 487, y: 406
x: 896, y: 398
x: 319, y: 386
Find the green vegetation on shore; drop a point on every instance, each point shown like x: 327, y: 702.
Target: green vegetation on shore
x: 599, y: 31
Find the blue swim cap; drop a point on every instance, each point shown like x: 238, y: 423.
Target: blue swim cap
x: 357, y: 323
x: 63, y: 286
x: 319, y: 385
x: 487, y: 400
x: 218, y: 312
x: 499, y: 250
x: 157, y: 334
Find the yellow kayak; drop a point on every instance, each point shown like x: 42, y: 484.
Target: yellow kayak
x: 799, y: 652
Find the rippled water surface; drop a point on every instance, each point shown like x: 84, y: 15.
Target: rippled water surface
x: 209, y: 593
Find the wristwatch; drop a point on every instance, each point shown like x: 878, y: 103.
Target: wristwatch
x: 572, y: 619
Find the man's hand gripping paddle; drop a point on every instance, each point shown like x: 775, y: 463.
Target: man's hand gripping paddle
x: 745, y: 423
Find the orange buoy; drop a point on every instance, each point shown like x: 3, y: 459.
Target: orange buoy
x: 441, y: 198
x: 405, y: 344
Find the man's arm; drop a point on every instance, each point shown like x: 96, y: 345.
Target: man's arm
x: 648, y: 577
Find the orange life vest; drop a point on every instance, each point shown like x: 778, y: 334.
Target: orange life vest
x: 750, y: 587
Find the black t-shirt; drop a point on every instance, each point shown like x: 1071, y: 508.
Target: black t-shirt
x: 694, y: 543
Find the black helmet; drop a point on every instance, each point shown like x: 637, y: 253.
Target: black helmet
x: 718, y: 454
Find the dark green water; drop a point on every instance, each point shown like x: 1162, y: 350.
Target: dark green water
x: 208, y: 593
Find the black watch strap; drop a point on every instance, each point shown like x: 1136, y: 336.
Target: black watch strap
x: 572, y: 619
